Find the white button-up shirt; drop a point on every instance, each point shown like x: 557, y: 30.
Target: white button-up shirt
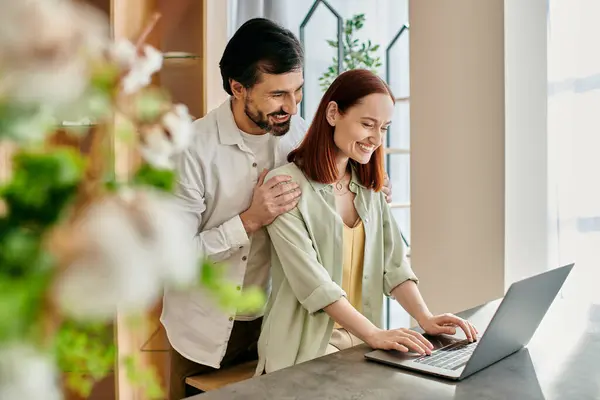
x: 217, y: 176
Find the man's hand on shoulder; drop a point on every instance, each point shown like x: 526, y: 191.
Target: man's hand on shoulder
x: 272, y: 198
x: 387, y: 189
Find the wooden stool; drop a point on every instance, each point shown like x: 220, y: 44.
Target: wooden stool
x: 222, y: 377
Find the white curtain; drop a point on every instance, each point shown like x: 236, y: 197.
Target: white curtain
x: 242, y: 10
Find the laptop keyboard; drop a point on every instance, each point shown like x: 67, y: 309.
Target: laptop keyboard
x: 450, y: 357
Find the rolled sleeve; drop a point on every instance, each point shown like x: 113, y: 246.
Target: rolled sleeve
x: 235, y: 232
x: 397, y: 269
x: 321, y: 297
x: 311, y: 283
x: 395, y: 276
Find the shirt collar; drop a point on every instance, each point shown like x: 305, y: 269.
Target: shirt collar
x: 229, y: 133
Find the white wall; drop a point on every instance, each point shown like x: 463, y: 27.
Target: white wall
x: 530, y: 199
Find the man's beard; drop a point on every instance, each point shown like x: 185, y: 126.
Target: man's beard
x: 262, y: 121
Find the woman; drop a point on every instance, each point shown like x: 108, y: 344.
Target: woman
x: 339, y: 251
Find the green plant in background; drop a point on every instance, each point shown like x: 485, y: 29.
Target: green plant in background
x: 42, y: 188
x: 77, y: 246
x: 356, y: 54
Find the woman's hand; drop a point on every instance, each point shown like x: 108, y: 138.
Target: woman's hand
x: 403, y: 340
x: 447, y: 323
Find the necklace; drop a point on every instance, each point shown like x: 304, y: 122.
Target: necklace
x: 339, y: 186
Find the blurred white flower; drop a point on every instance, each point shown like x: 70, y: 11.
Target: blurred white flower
x: 161, y: 141
x: 44, y: 49
x: 27, y: 374
x: 139, y: 66
x: 130, y: 246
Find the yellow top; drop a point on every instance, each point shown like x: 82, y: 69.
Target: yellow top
x: 354, y: 250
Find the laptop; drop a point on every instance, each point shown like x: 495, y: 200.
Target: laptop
x: 511, y: 328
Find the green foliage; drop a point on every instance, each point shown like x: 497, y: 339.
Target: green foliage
x: 146, y: 378
x: 21, y: 298
x: 24, y: 123
x: 87, y: 351
x: 104, y: 77
x: 42, y: 185
x: 356, y: 54
x: 162, y: 179
x: 150, y: 104
x: 42, y: 188
x: 228, y: 295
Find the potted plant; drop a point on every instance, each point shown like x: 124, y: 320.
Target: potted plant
x: 77, y: 245
x: 356, y: 54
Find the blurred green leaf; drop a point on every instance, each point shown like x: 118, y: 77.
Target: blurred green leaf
x: 228, y: 295
x: 87, y: 351
x: 146, y: 378
x: 22, y: 292
x: 42, y: 185
x: 25, y: 123
x: 162, y: 179
x: 149, y: 104
x: 105, y: 77
x: 126, y: 130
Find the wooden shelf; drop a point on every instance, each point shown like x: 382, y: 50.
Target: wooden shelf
x: 176, y: 55
x: 181, y: 59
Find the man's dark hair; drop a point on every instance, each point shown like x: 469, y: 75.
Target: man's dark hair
x: 259, y: 45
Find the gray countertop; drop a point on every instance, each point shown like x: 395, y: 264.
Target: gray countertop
x: 561, y: 362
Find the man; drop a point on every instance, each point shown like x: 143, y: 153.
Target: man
x: 222, y: 188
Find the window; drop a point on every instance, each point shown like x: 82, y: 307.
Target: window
x: 573, y: 126
x: 384, y: 25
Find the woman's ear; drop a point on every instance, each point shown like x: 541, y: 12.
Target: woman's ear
x: 332, y: 113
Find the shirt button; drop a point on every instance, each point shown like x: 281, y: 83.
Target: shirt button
x: 254, y: 165
x: 231, y: 318
x: 239, y: 288
x: 366, y: 220
x: 244, y: 258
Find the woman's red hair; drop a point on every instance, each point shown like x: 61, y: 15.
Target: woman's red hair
x: 316, y: 155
